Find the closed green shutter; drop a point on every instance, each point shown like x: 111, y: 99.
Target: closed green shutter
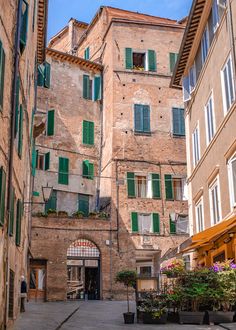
x: 52, y: 202
x: 87, y: 53
x: 50, y: 122
x: 47, y: 161
x: 97, y: 88
x: 17, y: 105
x: 32, y: 126
x: 47, y: 74
x: 91, y: 171
x: 86, y: 87
x: 138, y: 121
x: 155, y: 223
x: 172, y: 227
x: 128, y: 58
x: 130, y: 184
x: 178, y: 121
x: 156, y: 190
x: 84, y: 204
x: 20, y: 138
x: 86, y: 168
x: 2, y: 74
x: 18, y: 222
x: 169, y: 187
x: 146, y: 118
x: 2, y: 195
x: 88, y: 132
x: 134, y: 222
x: 63, y: 177
x: 12, y: 212
x: 152, y: 60
x: 173, y: 58
x: 91, y: 133
x: 24, y: 25
x: 34, y: 159
x: 40, y: 78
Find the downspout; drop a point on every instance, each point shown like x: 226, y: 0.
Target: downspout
x: 117, y: 208
x: 232, y: 42
x: 16, y: 56
x: 100, y: 149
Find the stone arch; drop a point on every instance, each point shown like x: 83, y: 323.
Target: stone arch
x: 83, y: 247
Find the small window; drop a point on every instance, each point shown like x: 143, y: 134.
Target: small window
x: 199, y: 216
x: 209, y: 119
x: 179, y: 189
x: 145, y: 271
x: 142, y: 118
x: 40, y: 162
x: 139, y: 61
x: 228, y: 85
x: 178, y: 122
x: 214, y: 193
x: 196, y: 146
x: 205, y: 44
x: 145, y: 223
x: 232, y: 180
x: 141, y: 186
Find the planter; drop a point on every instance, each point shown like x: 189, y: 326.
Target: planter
x: 220, y: 317
x: 191, y: 317
x: 62, y: 215
x: 173, y: 275
x: 149, y: 319
x: 173, y: 317
x: 52, y: 215
x: 128, y: 318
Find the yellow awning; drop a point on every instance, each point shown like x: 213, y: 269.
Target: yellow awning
x: 207, y: 236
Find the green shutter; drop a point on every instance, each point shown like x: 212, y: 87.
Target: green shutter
x: 130, y: 184
x: 97, y: 88
x: 47, y: 74
x: 12, y: 212
x: 146, y: 118
x: 34, y: 159
x: 134, y: 222
x: 128, y: 58
x: 172, y: 227
x: 20, y: 138
x: 138, y: 118
x: 50, y: 122
x: 178, y: 121
x: 47, y: 161
x: 32, y: 126
x: 63, y: 177
x: 91, y: 133
x: 86, y: 87
x: 36, y: 194
x: 91, y: 171
x: 152, y: 60
x: 24, y: 24
x: 2, y: 195
x: 173, y: 58
x: 87, y: 53
x: 88, y: 132
x: 169, y: 187
x: 52, y: 202
x: 156, y: 190
x: 17, y: 105
x: 2, y: 74
x: 86, y: 168
x: 18, y: 222
x: 155, y: 223
x: 84, y: 204
x: 40, y: 78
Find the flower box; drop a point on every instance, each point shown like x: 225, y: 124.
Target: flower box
x: 218, y: 317
x: 148, y: 318
x: 191, y: 317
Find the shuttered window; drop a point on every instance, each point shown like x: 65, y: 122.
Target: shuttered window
x: 134, y: 222
x: 88, y: 170
x: 2, y: 195
x: 17, y: 105
x: 97, y: 88
x: 40, y: 78
x: 83, y: 204
x: 2, y: 74
x: 172, y: 227
x: 12, y: 212
x: 20, y: 134
x: 88, y: 132
x: 18, y: 221
x: 169, y: 187
x: 34, y: 159
x: 156, y: 223
x: 87, y: 53
x: 156, y: 190
x: 24, y: 25
x: 178, y: 122
x: 128, y: 58
x: 141, y: 118
x: 152, y: 61
x: 52, y: 202
x: 63, y: 175
x: 47, y: 161
x: 50, y: 122
x: 173, y: 58
x: 130, y: 184
x: 44, y: 75
x: 86, y: 87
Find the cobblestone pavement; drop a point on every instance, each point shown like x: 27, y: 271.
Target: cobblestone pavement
x: 91, y: 315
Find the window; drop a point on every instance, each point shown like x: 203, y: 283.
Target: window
x: 12, y: 212
x: 140, y: 60
x: 145, y: 223
x: 51, y: 204
x: 11, y: 294
x: 63, y: 175
x: 20, y: 131
x: 186, y: 89
x: 44, y: 75
x: 178, y: 122
x: 214, y: 192
x: 209, y: 118
x: 24, y: 25
x: 173, y: 58
x: 86, y: 53
x: 88, y: 170
x: 232, y: 180
x: 196, y: 146
x: 227, y: 85
x: 205, y: 44
x: 199, y: 216
x: 179, y: 188
x: 42, y: 161
x: 19, y: 210
x: 50, y: 122
x: 145, y: 271
x: 141, y: 118
x: 2, y: 195
x: 215, y: 15
x: 2, y: 74
x: 182, y: 224
x: 172, y: 226
x: 192, y: 77
x: 91, y: 88
x: 88, y: 132
x: 143, y: 186
x: 83, y: 201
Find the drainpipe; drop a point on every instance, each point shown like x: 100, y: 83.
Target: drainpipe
x: 232, y: 42
x: 16, y: 56
x: 100, y: 149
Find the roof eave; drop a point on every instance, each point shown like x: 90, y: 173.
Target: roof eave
x: 42, y: 30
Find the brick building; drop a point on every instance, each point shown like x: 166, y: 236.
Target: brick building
x: 206, y: 67
x: 22, y: 40
x: 138, y: 154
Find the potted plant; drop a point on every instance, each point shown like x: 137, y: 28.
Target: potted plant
x: 62, y: 214
x: 173, y: 269
x: 52, y: 213
x: 103, y: 215
x: 154, y: 309
x: 93, y: 215
x: 78, y: 214
x: 128, y: 278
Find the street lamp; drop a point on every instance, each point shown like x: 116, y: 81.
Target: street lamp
x: 47, y: 192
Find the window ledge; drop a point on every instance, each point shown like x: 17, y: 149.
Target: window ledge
x: 179, y: 136
x: 143, y: 133
x: 88, y: 145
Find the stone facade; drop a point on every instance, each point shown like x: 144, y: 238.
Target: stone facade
x: 15, y: 151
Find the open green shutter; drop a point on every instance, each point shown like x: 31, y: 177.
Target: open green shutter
x: 152, y: 60
x: 40, y: 77
x: 128, y: 58
x: 85, y: 132
x: 97, y: 88
x: 91, y: 171
x: 18, y: 222
x: 155, y: 223
x: 50, y: 122
x: 47, y: 161
x: 63, y: 177
x: 130, y: 184
x: 87, y: 53
x: 17, y: 105
x: 156, y: 190
x: 34, y: 159
x: 12, y: 212
x: 24, y: 24
x: 20, y: 138
x: 85, y: 86
x: 86, y: 168
x: 84, y: 204
x: 173, y: 58
x: 91, y: 133
x: 32, y: 126
x: 2, y: 195
x: 134, y: 222
x: 169, y: 187
x: 47, y: 74
x: 52, y: 202
x: 172, y: 227
x: 2, y: 74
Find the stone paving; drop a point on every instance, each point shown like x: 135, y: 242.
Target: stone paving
x: 91, y: 315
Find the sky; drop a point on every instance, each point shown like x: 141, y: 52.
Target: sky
x: 60, y: 11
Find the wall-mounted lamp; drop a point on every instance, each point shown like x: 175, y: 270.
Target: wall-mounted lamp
x: 47, y: 192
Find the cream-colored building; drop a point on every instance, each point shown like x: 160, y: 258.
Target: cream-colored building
x: 206, y: 69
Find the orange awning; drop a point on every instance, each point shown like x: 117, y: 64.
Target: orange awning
x: 209, y: 235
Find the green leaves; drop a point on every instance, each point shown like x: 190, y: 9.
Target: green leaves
x: 127, y: 277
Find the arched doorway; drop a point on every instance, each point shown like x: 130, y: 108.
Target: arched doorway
x: 83, y: 270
